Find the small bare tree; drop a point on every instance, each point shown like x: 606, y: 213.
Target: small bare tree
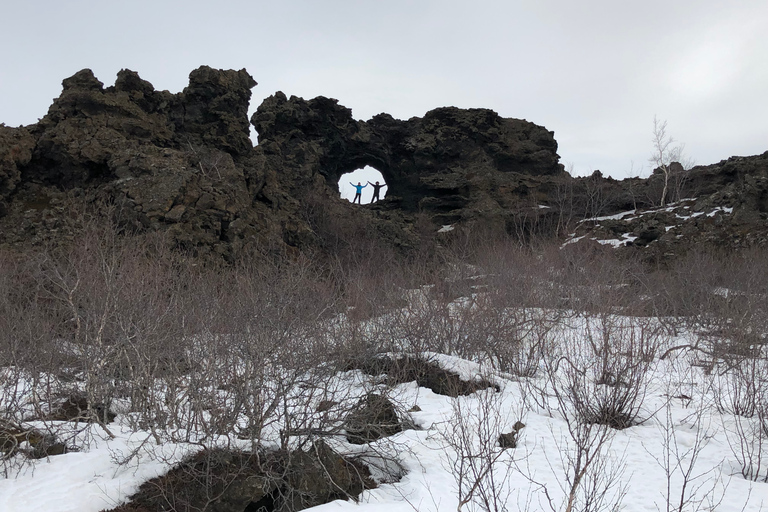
x: 667, y: 157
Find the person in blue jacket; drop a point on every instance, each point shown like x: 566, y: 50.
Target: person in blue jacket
x: 359, y: 188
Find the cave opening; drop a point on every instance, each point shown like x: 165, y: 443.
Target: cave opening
x: 368, y: 177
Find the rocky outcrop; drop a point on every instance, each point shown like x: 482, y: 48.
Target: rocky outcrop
x: 15, y: 151
x: 160, y: 161
x: 452, y: 164
x: 184, y: 164
x: 719, y: 206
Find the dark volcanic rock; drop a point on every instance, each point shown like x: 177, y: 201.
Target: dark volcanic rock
x: 454, y: 164
x: 373, y: 418
x: 719, y: 206
x: 215, y: 107
x: 231, y: 481
x: 184, y: 164
x: 16, y: 146
x: 168, y: 162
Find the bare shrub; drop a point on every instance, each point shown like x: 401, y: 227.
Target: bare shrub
x: 599, y: 373
x: 688, y: 487
x: 721, y: 299
x: 592, y: 480
x: 480, y: 464
x: 742, y: 391
x: 588, y: 477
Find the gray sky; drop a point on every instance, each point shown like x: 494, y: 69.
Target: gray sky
x: 594, y: 71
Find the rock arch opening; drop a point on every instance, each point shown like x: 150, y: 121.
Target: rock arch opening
x: 368, y: 177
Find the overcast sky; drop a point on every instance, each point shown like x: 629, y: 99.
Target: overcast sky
x: 596, y: 72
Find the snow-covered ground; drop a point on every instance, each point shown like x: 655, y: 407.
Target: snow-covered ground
x: 681, y: 454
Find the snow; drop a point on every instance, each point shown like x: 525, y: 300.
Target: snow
x: 446, y: 228
x: 572, y: 240
x: 626, y: 237
x: 719, y: 209
x: 680, y: 424
x: 680, y: 209
x: 91, y: 480
x: 616, y: 216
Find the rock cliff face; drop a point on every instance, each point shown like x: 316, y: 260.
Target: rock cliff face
x: 447, y: 161
x: 163, y: 161
x: 723, y: 206
x: 184, y: 164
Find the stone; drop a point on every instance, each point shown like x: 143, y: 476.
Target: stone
x: 269, y: 481
x: 373, y: 418
x: 509, y: 439
x: 16, y: 145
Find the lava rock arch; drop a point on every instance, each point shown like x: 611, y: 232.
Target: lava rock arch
x: 184, y: 164
x: 441, y: 162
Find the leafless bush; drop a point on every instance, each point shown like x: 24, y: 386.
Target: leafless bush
x: 591, y: 479
x: 721, y: 300
x: 476, y: 457
x: 184, y: 350
x: 599, y: 373
x: 688, y: 488
x: 742, y: 391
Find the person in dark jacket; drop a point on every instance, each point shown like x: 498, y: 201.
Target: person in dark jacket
x: 376, y: 188
x: 359, y: 188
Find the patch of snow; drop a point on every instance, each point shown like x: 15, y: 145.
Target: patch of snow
x: 446, y: 228
x: 626, y: 237
x: 572, y: 240
x: 688, y: 217
x: 724, y: 209
x: 617, y: 216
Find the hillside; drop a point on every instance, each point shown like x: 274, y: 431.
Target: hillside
x: 189, y: 322
x: 183, y: 164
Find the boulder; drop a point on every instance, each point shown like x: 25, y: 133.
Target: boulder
x: 373, y: 418
x: 320, y: 475
x: 231, y: 481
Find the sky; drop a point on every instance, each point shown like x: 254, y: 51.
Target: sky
x: 596, y: 72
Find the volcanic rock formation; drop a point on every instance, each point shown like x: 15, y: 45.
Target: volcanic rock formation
x: 184, y: 164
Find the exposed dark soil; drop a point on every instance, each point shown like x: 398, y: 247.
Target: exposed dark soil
x: 234, y: 481
x: 427, y: 374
